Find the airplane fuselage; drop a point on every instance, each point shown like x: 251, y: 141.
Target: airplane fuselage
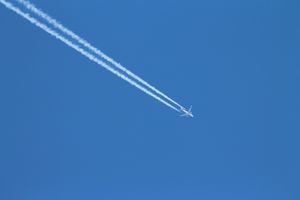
x: 186, y: 113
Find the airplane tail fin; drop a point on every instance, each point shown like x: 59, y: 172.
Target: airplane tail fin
x: 190, y: 109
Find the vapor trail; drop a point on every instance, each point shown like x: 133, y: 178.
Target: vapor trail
x: 83, y: 42
x: 80, y: 50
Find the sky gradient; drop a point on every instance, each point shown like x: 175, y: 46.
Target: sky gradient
x: 69, y: 129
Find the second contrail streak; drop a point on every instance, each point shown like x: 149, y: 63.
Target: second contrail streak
x: 81, y: 51
x: 83, y: 42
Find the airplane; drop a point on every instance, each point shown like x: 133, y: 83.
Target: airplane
x: 186, y: 113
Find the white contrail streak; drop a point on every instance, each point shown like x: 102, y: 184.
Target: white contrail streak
x: 80, y: 50
x: 83, y: 42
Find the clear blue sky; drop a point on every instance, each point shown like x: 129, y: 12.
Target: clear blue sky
x: 71, y: 130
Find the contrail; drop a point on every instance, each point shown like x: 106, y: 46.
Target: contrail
x: 85, y: 43
x: 80, y: 50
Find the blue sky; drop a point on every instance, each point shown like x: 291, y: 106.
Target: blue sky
x: 72, y: 130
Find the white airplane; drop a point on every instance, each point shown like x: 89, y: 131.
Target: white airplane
x: 186, y: 113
